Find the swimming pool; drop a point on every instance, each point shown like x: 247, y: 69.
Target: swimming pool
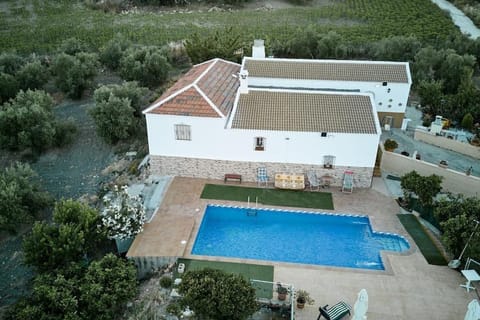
x: 294, y: 236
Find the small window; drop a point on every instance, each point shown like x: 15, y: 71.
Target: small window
x: 389, y: 105
x: 390, y: 100
x: 400, y: 104
x: 380, y: 103
x: 260, y: 144
x: 182, y: 132
x: 328, y: 162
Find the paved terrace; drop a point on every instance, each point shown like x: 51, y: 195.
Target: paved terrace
x: 410, y: 288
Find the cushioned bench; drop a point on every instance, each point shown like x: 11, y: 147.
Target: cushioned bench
x: 290, y: 181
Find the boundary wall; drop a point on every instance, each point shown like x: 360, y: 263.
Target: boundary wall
x: 446, y: 143
x: 453, y: 181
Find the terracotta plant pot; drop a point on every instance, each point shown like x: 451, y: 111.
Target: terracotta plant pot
x: 300, y: 303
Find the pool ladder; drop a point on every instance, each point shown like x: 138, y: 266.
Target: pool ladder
x: 252, y: 212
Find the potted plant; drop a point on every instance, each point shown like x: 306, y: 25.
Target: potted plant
x: 282, y: 292
x: 390, y: 145
x: 303, y: 297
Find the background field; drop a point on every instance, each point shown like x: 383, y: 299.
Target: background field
x: 40, y: 26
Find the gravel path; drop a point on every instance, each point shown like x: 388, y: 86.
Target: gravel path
x: 67, y: 173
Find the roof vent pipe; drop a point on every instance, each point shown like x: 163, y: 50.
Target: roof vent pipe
x: 258, y: 49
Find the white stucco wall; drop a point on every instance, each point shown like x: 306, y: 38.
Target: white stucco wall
x: 210, y: 140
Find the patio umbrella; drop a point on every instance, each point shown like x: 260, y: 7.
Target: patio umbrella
x: 473, y: 311
x: 361, y: 306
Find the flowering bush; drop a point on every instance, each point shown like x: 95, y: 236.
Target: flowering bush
x: 123, y: 215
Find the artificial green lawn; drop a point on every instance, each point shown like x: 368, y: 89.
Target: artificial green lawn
x: 422, y: 239
x: 249, y: 271
x: 276, y: 197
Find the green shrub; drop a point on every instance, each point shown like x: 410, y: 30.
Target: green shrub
x: 216, y: 294
x: 129, y: 90
x: 114, y: 119
x: 27, y: 121
x: 107, y: 5
x: 21, y: 196
x: 74, y: 74
x: 174, y: 308
x: 390, y: 144
x: 112, y: 52
x: 9, y: 87
x: 147, y: 65
x: 10, y: 63
x: 467, y: 121
x: 32, y: 75
x: 72, y: 46
x: 166, y: 282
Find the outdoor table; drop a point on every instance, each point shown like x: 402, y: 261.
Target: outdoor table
x: 470, y: 275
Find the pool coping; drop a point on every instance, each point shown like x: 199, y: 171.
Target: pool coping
x: 382, y: 253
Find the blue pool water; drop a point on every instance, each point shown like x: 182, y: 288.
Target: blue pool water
x: 294, y: 236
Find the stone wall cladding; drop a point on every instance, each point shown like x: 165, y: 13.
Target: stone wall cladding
x: 216, y: 169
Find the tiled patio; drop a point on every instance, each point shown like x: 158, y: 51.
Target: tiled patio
x: 410, y: 288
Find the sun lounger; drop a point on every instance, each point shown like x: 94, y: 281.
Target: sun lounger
x: 336, y: 312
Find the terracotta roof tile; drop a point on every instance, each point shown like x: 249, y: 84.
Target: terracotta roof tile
x: 305, y: 112
x: 220, y: 85
x: 327, y: 70
x: 189, y: 103
x: 212, y: 78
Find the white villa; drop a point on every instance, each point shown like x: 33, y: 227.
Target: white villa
x: 288, y: 115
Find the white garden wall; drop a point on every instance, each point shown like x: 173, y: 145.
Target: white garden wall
x: 453, y: 181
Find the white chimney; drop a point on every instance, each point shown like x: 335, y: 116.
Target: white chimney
x: 243, y: 81
x: 258, y: 49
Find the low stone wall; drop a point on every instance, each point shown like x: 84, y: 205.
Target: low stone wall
x: 148, y: 265
x: 216, y: 169
x: 446, y: 143
x: 453, y: 181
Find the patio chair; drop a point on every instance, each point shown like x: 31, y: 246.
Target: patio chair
x: 336, y: 312
x: 262, y: 176
x: 313, y: 180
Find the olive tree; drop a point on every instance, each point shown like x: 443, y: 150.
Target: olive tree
x: 107, y: 285
x: 129, y: 89
x: 70, y: 238
x: 28, y: 122
x: 9, y: 86
x: 111, y: 53
x: 425, y: 188
x: 75, y: 73
x: 147, y: 65
x: 222, y: 44
x: 32, y: 75
x: 97, y: 291
x: 114, y: 119
x: 21, y: 196
x: 396, y: 48
x: 457, y: 216
x: 10, y: 62
x: 117, y: 111
x: 215, y: 294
